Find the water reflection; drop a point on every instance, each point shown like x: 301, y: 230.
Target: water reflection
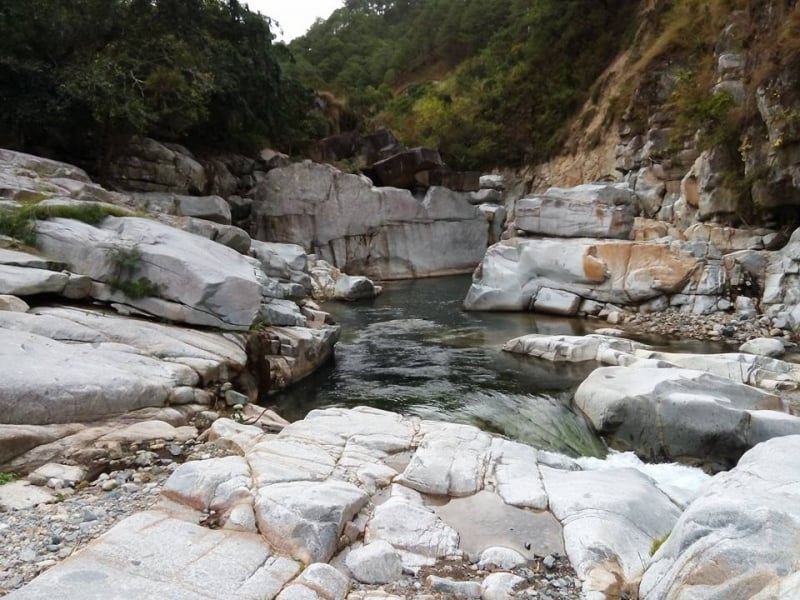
x: 414, y: 351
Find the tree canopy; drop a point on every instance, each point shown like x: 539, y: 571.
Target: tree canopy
x: 491, y: 82
x: 77, y: 76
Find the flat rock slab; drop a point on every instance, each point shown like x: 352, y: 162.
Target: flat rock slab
x: 151, y: 555
x: 22, y: 281
x: 18, y: 495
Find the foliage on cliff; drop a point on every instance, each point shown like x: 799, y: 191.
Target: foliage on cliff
x: 491, y: 82
x: 77, y: 76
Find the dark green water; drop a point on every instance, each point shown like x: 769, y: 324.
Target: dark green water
x: 413, y: 350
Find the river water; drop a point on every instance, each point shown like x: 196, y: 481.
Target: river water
x: 414, y: 351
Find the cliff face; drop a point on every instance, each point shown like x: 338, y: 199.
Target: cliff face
x: 700, y: 114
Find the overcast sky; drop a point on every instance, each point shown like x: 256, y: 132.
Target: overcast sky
x: 294, y: 16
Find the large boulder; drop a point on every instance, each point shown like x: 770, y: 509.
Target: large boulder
x: 399, y: 169
x: 681, y: 413
x: 146, y: 165
x: 383, y: 233
x: 514, y: 271
x: 191, y: 279
x: 589, y: 210
x: 738, y: 540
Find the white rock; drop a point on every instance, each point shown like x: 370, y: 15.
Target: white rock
x: 764, y: 347
x: 12, y: 303
x: 739, y: 539
x: 70, y: 474
x: 500, y: 558
x: 217, y: 483
x: 516, y: 474
x: 325, y: 580
x: 353, y: 288
x: 21, y: 281
x: 375, y: 563
x: 450, y: 461
x: 19, y: 495
x: 305, y: 519
x: 499, y: 586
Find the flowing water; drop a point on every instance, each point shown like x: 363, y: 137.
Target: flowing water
x: 413, y: 350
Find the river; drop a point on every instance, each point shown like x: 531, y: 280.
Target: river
x: 413, y: 350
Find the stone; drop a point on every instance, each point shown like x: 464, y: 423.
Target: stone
x: 459, y: 589
x: 500, y: 586
x: 217, y: 483
x: 325, y: 580
x: 353, y: 288
x: 375, y: 563
x: 148, y: 166
x: 737, y: 540
x: 69, y: 474
x: 590, y: 210
x: 21, y: 281
x: 516, y: 475
x: 217, y: 285
x: 13, y: 304
x: 611, y: 524
x: 619, y: 272
x: 20, y: 495
x: 502, y: 558
x: 764, y: 347
x: 305, y: 518
x: 399, y: 170
x: 414, y: 530
x: 210, y: 208
x: 492, y: 182
x: 680, y: 413
x: 486, y: 196
x: 556, y: 302
x: 450, y: 461
x: 382, y: 233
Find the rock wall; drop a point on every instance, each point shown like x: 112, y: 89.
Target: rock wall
x: 384, y: 233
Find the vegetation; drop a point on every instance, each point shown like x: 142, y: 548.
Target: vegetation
x: 658, y: 542
x: 20, y: 223
x: 7, y: 478
x: 491, y: 82
x: 79, y: 77
x: 125, y: 264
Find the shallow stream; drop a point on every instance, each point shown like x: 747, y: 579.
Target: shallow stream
x: 413, y: 350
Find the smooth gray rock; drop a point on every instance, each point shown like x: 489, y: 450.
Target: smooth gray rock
x: 383, y: 233
x: 326, y: 580
x: 20, y: 495
x: 460, y: 589
x: 198, y: 281
x: 738, y: 540
x: 500, y: 586
x: 375, y: 563
x: 500, y: 558
x: 492, y: 182
x: 610, y: 525
x: 590, y: 210
x: 450, y: 461
x: 680, y: 413
x: 217, y: 484
x: 414, y: 530
x: 305, y: 518
x: 764, y: 347
x: 516, y: 474
x: 22, y: 281
x: 13, y: 304
x: 149, y: 166
x: 349, y: 287
x: 69, y: 474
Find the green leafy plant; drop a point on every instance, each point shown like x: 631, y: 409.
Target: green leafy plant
x: 7, y: 478
x: 125, y: 263
x: 20, y: 222
x: 657, y: 543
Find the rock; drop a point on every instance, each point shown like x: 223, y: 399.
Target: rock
x: 305, y: 519
x: 148, y: 166
x: 500, y: 586
x: 420, y: 537
x: 450, y: 461
x: 459, y: 589
x: 492, y: 182
x: 13, y: 304
x: 556, y: 302
x: 737, y: 540
x: 516, y: 475
x: 383, y: 233
x: 69, y: 474
x: 325, y: 580
x: 498, y: 557
x: 764, y: 347
x: 680, y: 413
x: 215, y: 484
x: 620, y: 272
x: 217, y: 285
x: 486, y: 196
x: 353, y: 288
x: 591, y: 210
x: 375, y: 563
x: 19, y: 495
x: 20, y: 281
x: 610, y: 526
x: 399, y: 170
x: 210, y: 208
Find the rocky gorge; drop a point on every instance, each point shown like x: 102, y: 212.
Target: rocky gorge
x: 135, y: 322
